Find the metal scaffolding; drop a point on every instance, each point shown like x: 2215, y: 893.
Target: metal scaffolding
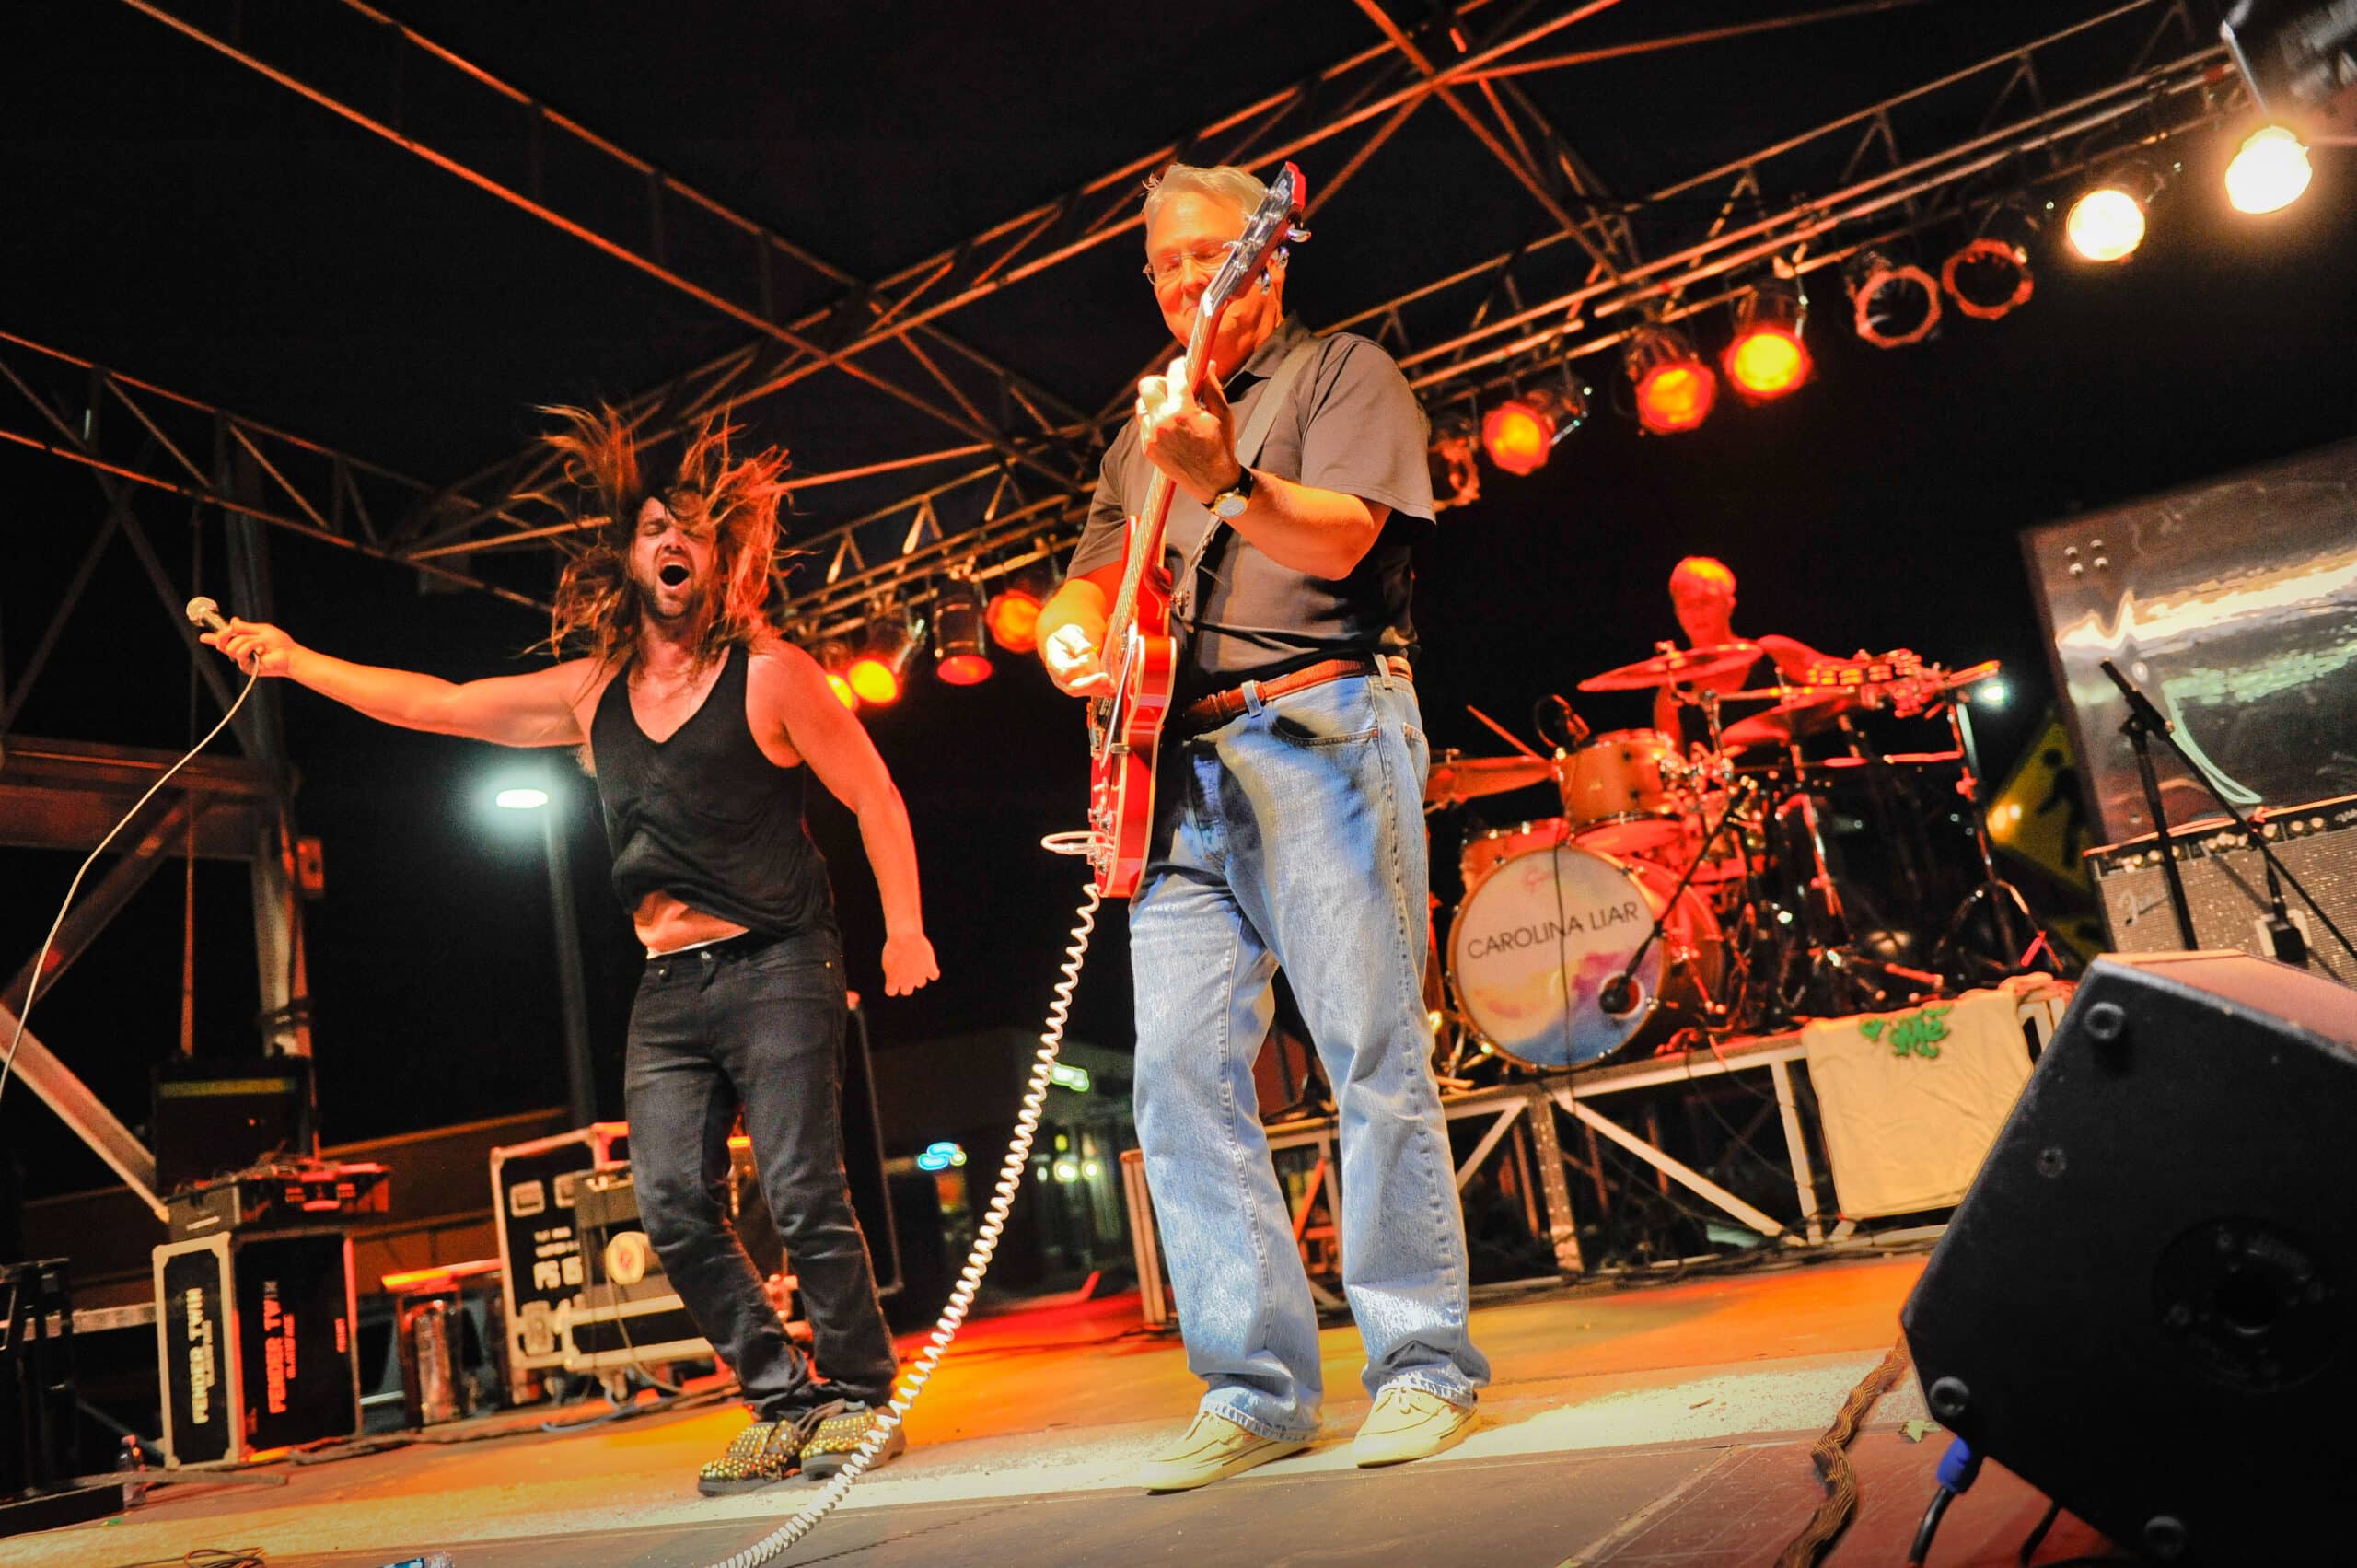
x: 999, y: 467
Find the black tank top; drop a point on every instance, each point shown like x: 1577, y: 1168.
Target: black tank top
x: 705, y: 817
x: 1695, y: 730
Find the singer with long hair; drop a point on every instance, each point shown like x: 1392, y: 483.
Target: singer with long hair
x: 700, y: 723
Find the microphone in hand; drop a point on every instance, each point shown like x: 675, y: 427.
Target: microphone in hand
x: 203, y: 612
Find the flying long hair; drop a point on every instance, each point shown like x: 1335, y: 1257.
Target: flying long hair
x: 598, y: 611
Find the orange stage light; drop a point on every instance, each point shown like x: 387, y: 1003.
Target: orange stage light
x: 841, y: 688
x: 1013, y: 617
x: 892, y: 642
x: 872, y: 680
x: 834, y: 657
x: 1766, y: 358
x: 1767, y: 362
x: 964, y: 670
x: 962, y: 649
x: 1518, y: 437
x: 1675, y: 388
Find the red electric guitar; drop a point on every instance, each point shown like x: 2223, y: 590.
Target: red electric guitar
x: 1125, y: 725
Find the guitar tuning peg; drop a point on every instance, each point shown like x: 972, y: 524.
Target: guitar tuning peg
x: 1295, y: 233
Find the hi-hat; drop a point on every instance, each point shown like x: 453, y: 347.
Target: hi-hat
x: 1675, y: 668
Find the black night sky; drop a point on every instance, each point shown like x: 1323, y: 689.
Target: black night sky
x: 175, y: 216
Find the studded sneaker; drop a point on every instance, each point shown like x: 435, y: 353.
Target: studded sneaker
x: 762, y: 1454
x: 840, y: 1435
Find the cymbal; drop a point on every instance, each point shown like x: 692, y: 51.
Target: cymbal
x: 1457, y: 779
x: 1759, y: 729
x: 1677, y: 666
x: 1800, y: 706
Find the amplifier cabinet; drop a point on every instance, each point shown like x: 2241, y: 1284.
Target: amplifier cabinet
x: 2225, y: 886
x: 532, y: 1190
x: 254, y: 1343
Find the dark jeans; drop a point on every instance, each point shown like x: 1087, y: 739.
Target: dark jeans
x: 761, y: 1028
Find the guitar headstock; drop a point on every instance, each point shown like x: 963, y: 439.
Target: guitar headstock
x: 1273, y: 224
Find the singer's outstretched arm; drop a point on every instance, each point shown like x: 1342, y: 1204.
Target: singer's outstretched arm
x: 534, y: 709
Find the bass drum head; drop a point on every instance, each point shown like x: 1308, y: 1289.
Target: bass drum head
x: 1535, y: 944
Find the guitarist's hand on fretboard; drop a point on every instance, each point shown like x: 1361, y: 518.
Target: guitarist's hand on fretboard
x: 1192, y: 439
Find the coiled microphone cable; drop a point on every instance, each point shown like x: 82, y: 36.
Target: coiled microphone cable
x: 970, y: 1279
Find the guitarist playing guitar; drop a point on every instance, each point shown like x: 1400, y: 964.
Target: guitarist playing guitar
x: 1258, y: 769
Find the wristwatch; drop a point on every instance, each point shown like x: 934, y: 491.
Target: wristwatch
x: 1229, y: 504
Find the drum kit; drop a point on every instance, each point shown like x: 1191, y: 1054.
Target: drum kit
x: 1687, y: 893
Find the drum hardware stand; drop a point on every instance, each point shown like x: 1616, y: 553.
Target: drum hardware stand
x: 2145, y: 721
x: 2003, y: 899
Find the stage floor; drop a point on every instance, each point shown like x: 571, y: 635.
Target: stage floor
x: 1662, y: 1425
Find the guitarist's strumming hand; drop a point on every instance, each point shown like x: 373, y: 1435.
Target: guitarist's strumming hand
x: 1075, y: 663
x: 1192, y: 439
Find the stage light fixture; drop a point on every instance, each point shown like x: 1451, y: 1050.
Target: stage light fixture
x: 1012, y: 615
x: 1989, y: 277
x: 1456, y: 477
x: 1766, y: 358
x: 835, y: 658
x: 1895, y: 303
x: 876, y: 675
x: 1520, y: 433
x: 2269, y: 172
x: 2107, y: 222
x: 1675, y: 388
x: 960, y: 646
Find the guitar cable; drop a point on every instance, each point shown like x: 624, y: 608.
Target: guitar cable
x: 969, y: 1278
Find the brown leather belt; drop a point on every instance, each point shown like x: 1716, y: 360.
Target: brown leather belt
x: 1210, y: 713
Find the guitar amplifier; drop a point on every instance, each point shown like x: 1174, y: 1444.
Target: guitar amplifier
x: 2225, y: 885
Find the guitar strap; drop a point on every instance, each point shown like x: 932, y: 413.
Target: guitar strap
x: 1248, y: 442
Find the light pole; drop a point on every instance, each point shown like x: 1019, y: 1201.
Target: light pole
x: 580, y: 1081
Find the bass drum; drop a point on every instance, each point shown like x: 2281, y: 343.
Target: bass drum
x: 1533, y: 946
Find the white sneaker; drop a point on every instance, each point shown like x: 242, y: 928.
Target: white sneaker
x: 1212, y: 1449
x: 1410, y: 1423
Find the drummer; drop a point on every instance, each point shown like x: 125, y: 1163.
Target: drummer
x: 1702, y: 592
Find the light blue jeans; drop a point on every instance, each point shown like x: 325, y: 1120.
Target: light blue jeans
x: 1289, y: 836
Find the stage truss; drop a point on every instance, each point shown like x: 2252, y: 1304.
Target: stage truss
x: 991, y: 471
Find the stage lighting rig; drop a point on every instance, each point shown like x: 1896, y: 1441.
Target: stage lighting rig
x: 877, y: 674
x: 2107, y: 222
x: 1767, y: 358
x: 1011, y: 615
x: 1457, y: 478
x: 1896, y: 303
x: 2269, y: 173
x: 835, y: 658
x: 1520, y: 434
x: 960, y: 646
x: 1675, y: 388
x: 1989, y: 275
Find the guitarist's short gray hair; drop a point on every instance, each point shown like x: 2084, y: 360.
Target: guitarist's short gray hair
x: 1227, y: 182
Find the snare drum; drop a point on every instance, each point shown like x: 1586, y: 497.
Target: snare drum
x: 1620, y: 791
x: 1534, y: 945
x: 1484, y: 852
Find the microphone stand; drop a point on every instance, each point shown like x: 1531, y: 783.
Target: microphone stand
x: 2144, y: 722
x: 1617, y: 995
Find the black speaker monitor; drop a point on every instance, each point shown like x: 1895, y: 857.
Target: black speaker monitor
x: 2146, y: 1306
